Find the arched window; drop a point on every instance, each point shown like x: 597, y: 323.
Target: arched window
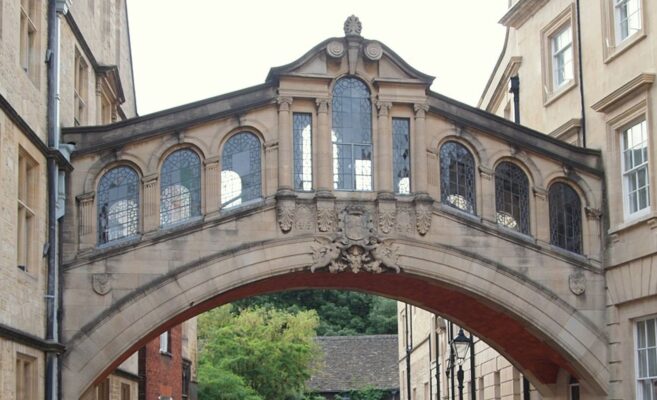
x: 118, y: 204
x: 457, y: 177
x: 565, y: 217
x: 180, y: 187
x: 401, y: 155
x: 352, y: 135
x: 512, y: 197
x: 240, y: 170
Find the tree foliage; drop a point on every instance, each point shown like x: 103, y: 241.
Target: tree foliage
x: 341, y: 313
x: 258, y: 354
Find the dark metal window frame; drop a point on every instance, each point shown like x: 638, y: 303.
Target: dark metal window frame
x: 181, y: 169
x: 118, y: 184
x: 512, y: 197
x: 457, y: 177
x: 303, y: 152
x: 565, y: 217
x: 401, y: 155
x: 251, y: 182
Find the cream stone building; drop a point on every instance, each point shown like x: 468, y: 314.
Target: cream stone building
x: 85, y: 47
x: 583, y: 72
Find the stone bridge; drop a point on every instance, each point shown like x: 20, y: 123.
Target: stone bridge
x: 343, y: 170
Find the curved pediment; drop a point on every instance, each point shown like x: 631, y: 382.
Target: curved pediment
x: 353, y: 53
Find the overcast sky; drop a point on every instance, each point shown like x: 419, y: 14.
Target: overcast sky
x: 191, y: 50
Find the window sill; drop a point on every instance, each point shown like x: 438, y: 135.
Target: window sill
x: 119, y: 242
x: 166, y: 354
x: 559, y: 92
x: 649, y: 217
x: 611, y: 53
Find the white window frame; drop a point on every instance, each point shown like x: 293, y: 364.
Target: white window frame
x: 553, y: 89
x: 617, y: 5
x: 631, y: 173
x: 636, y: 357
x: 558, y: 57
x: 165, y: 338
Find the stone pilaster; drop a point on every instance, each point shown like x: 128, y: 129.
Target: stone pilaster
x: 272, y: 168
x: 419, y: 150
x: 87, y: 218
x: 487, y: 189
x: 151, y: 220
x: 285, y: 156
x: 324, y: 144
x: 541, y: 231
x: 212, y: 185
x: 383, y: 155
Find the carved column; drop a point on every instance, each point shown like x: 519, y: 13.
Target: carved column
x: 272, y: 168
x: 384, y: 149
x: 419, y: 155
x: 540, y: 217
x: 212, y: 185
x: 285, y: 156
x: 87, y: 220
x: 324, y: 144
x: 487, y: 208
x: 151, y: 219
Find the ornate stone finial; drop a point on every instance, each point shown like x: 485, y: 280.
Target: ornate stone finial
x: 352, y: 26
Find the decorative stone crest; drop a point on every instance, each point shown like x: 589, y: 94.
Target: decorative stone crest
x: 354, y: 247
x: 373, y: 51
x: 423, y: 213
x: 304, y: 219
x: 386, y: 217
x: 101, y: 283
x: 577, y: 282
x: 352, y: 26
x: 335, y: 49
x: 285, y: 213
x: 325, y: 218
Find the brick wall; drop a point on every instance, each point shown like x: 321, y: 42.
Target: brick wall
x: 162, y: 373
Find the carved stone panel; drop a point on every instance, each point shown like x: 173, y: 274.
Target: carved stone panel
x: 577, y: 283
x: 101, y: 283
x: 305, y: 219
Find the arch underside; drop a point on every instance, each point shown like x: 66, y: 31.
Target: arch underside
x: 514, y: 317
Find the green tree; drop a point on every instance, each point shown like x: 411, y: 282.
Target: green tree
x: 258, y: 354
x: 341, y: 313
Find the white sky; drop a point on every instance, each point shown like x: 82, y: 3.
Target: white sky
x: 190, y: 50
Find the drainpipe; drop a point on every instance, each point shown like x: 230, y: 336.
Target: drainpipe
x: 473, y: 385
x: 409, y: 350
x: 56, y: 8
x: 581, y: 74
x: 437, y: 357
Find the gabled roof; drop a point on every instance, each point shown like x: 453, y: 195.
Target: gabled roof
x: 355, y: 362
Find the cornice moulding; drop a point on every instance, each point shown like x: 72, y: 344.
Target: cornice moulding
x: 634, y: 86
x: 521, y: 12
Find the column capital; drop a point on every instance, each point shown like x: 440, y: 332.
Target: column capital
x: 284, y: 103
x: 322, y: 104
x: 383, y: 107
x: 420, y: 109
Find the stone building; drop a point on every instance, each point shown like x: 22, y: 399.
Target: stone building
x: 82, y: 49
x: 583, y: 72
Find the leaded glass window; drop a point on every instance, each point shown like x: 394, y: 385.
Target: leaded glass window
x: 512, y: 197
x: 401, y: 153
x: 646, y: 352
x: 457, y: 177
x: 352, y: 135
x: 565, y: 218
x: 303, y: 158
x: 118, y: 204
x: 180, y: 187
x: 241, y: 179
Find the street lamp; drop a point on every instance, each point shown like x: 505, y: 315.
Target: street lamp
x: 460, y: 347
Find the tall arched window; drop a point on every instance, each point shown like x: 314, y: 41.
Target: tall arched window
x: 241, y: 179
x: 565, y: 217
x: 352, y: 135
x: 457, y: 177
x: 512, y: 197
x: 180, y: 187
x: 118, y: 204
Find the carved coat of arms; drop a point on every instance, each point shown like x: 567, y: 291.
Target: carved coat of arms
x: 101, y: 283
x: 354, y: 247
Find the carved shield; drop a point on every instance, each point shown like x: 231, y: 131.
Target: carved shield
x: 355, y: 226
x: 101, y: 283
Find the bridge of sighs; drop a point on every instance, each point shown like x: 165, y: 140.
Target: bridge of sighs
x: 342, y: 170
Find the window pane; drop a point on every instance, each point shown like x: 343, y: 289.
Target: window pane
x: 118, y: 204
x: 642, y: 364
x: 457, y: 177
x: 650, y: 332
x: 401, y: 155
x: 303, y: 163
x: 352, y: 135
x: 635, y: 167
x: 241, y: 175
x: 512, y: 197
x: 180, y: 187
x: 565, y: 218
